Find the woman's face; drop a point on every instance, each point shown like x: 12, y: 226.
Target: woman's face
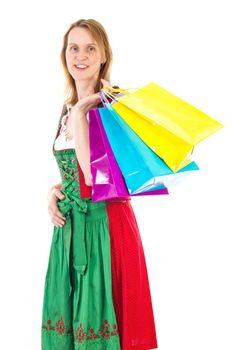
x: 82, y: 49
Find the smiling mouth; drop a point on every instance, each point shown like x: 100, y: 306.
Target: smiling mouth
x: 80, y: 68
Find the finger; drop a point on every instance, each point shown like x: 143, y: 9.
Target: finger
x: 54, y: 211
x: 58, y: 222
x: 94, y: 100
x: 59, y: 194
x: 106, y: 83
x: 54, y: 195
x: 59, y: 214
x: 97, y: 94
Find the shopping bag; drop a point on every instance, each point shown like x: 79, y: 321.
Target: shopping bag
x: 141, y: 168
x: 107, y: 180
x: 170, y: 126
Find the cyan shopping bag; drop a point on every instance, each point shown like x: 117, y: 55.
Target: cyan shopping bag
x: 141, y: 168
x: 170, y: 126
x: 107, y: 180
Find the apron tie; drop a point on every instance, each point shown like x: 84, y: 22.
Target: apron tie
x: 77, y: 226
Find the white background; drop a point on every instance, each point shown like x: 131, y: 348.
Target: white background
x: 184, y: 46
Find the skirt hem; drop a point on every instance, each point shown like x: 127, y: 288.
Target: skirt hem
x: 147, y: 346
x: 102, y: 344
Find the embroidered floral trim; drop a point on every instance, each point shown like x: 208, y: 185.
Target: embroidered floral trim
x: 104, y: 332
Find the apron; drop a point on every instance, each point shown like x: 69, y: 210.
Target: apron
x: 78, y: 310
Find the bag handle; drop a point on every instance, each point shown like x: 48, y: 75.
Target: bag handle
x: 106, y: 89
x: 106, y: 94
x: 103, y: 98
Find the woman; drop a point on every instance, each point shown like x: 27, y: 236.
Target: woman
x: 96, y: 293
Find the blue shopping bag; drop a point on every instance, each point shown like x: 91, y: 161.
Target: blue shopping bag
x: 107, y: 180
x: 143, y: 169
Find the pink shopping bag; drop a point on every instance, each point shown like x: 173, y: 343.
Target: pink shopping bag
x: 107, y: 180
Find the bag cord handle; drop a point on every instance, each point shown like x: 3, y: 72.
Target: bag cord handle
x: 110, y: 90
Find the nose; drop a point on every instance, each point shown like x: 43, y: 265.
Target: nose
x: 81, y: 58
x: 81, y: 55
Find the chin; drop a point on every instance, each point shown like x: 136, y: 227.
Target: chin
x: 81, y: 77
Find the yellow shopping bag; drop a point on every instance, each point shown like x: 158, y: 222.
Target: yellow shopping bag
x: 170, y: 126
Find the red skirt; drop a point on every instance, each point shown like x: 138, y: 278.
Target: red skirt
x: 130, y: 284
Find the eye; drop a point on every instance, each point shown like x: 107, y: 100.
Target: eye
x: 91, y: 48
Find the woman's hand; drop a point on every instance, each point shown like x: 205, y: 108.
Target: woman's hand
x: 55, y: 215
x: 88, y: 102
x: 106, y: 82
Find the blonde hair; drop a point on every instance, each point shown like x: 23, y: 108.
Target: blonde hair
x: 99, y: 34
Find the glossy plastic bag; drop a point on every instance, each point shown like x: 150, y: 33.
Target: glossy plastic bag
x: 107, y: 180
x: 170, y: 126
x: 142, y: 169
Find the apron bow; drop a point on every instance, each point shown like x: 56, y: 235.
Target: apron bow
x: 77, y: 226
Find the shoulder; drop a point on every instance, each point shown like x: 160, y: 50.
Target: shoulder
x: 66, y: 107
x: 69, y: 105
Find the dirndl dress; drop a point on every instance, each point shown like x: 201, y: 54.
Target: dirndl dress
x: 96, y: 290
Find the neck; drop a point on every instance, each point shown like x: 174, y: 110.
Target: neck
x: 85, y: 88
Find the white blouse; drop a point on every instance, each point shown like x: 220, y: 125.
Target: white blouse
x: 61, y: 141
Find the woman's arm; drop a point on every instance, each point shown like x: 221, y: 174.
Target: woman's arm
x: 82, y: 148
x: 81, y: 131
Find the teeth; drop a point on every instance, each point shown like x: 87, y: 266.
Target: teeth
x: 81, y: 66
